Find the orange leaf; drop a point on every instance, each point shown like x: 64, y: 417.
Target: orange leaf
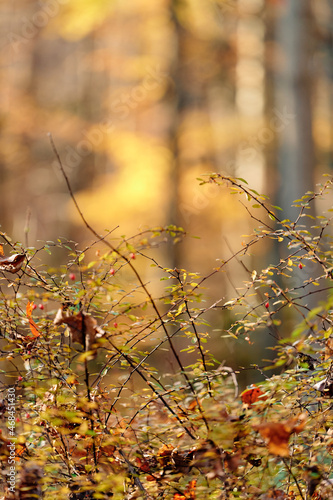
x: 190, y: 489
x: 250, y: 396
x: 33, y: 326
x: 164, y: 454
x: 277, y: 434
x: 189, y: 493
x: 150, y: 478
x: 29, y: 309
x: 193, y: 404
x: 20, y: 450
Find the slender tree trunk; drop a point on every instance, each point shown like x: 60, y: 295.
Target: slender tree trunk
x: 293, y: 110
x: 293, y: 104
x: 180, y: 104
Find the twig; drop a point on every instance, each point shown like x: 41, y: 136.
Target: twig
x: 128, y: 261
x: 294, y: 477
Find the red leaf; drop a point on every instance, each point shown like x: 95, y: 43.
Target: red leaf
x: 143, y: 464
x: 250, y: 396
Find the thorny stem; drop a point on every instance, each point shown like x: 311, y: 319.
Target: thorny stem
x: 150, y: 385
x: 294, y: 478
x: 86, y: 380
x: 128, y: 261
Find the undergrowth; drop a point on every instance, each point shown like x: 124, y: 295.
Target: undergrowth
x: 97, y: 401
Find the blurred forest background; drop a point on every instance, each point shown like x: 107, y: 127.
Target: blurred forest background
x: 143, y: 97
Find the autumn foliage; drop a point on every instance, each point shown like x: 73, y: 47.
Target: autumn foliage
x: 118, y: 390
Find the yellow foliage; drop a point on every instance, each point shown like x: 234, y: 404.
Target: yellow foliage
x: 137, y: 193
x: 79, y: 17
x: 202, y: 18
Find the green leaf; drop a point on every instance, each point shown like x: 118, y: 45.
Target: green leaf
x: 242, y: 180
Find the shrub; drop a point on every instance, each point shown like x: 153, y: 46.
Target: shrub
x: 86, y: 414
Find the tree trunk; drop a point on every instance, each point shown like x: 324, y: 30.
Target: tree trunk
x: 293, y: 104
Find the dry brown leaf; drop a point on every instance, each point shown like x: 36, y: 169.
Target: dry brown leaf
x: 13, y: 263
x: 329, y: 348
x: 83, y: 328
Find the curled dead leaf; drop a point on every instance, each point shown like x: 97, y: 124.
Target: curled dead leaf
x: 13, y: 263
x: 83, y: 328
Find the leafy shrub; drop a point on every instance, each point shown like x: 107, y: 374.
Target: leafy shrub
x: 89, y: 414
